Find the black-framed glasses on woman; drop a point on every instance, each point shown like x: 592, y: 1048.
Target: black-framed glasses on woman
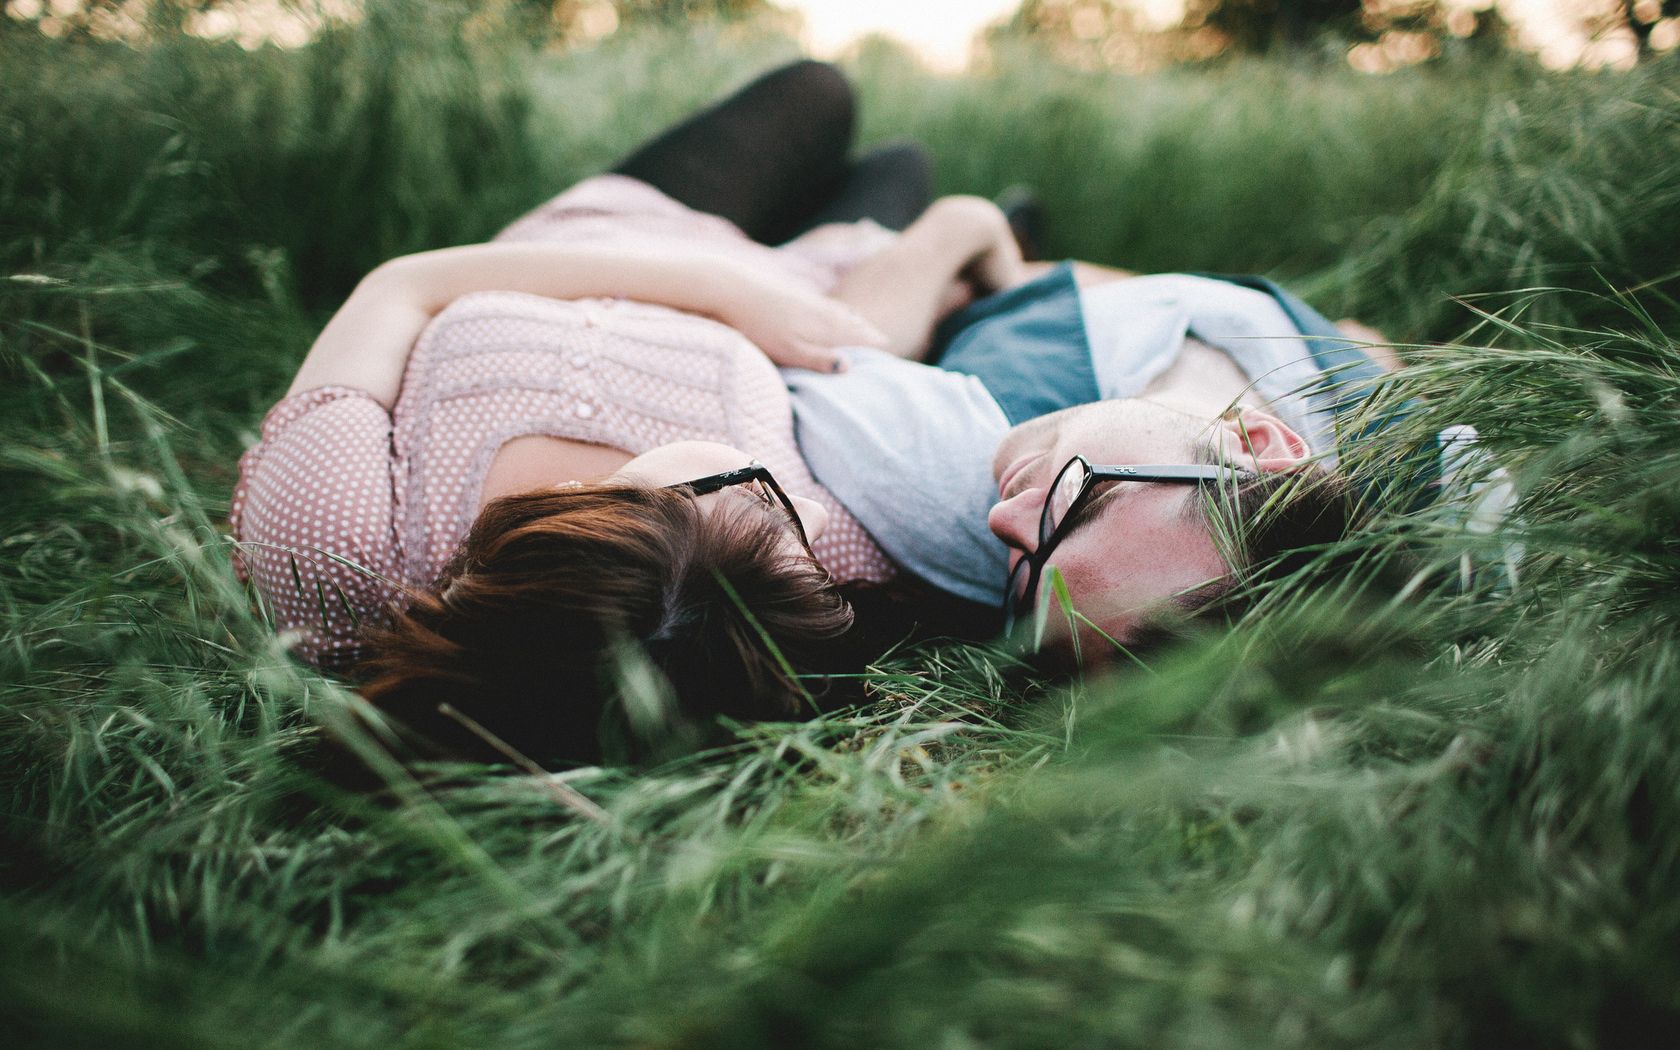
x: 762, y: 483
x: 1072, y: 491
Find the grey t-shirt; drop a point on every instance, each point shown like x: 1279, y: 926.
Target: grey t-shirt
x: 907, y: 448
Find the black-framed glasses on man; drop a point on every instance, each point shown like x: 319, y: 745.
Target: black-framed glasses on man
x: 1072, y: 491
x: 758, y: 477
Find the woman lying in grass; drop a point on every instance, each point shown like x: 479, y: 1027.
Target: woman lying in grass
x: 521, y: 472
x: 504, y: 467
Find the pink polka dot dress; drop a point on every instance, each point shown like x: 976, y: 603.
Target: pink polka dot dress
x: 342, y: 508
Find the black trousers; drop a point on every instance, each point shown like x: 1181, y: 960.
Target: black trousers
x: 773, y: 158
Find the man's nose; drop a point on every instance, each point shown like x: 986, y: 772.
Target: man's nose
x: 1015, y: 520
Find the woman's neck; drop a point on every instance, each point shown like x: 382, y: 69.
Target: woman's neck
x: 535, y: 461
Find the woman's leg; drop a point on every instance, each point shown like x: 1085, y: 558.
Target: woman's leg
x: 892, y: 184
x: 766, y: 158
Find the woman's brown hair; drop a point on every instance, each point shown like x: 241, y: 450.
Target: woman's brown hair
x: 609, y: 617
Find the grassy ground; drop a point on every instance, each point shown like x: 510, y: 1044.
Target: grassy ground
x: 1447, y: 820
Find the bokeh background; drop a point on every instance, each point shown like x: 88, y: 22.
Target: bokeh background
x: 1424, y: 806
x: 950, y: 35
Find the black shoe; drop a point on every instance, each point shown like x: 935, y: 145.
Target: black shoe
x: 1025, y: 212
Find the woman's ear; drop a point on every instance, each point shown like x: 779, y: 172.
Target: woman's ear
x: 1257, y: 440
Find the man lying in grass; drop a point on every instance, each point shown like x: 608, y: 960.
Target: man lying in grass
x: 510, y: 476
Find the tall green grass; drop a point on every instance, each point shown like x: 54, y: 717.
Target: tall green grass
x: 1444, y: 820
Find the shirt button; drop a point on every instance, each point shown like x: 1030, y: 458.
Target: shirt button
x: 584, y: 410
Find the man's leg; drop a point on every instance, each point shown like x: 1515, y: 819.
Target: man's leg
x: 766, y: 158
x: 892, y: 184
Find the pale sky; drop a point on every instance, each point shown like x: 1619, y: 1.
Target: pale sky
x: 938, y: 30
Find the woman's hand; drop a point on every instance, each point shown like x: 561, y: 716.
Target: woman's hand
x: 797, y: 327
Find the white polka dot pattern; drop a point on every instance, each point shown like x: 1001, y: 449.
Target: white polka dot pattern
x: 313, y: 515
x: 340, y: 505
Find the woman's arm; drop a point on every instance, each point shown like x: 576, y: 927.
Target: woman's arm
x: 367, y: 342
x: 905, y: 289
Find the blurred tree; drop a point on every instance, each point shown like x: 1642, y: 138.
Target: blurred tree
x: 105, y: 19
x: 1263, y: 25
x: 559, y: 19
x: 571, y: 20
x: 1641, y: 18
x: 677, y: 11
x: 1121, y: 34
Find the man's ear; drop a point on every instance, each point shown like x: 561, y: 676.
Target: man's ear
x: 1256, y: 439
